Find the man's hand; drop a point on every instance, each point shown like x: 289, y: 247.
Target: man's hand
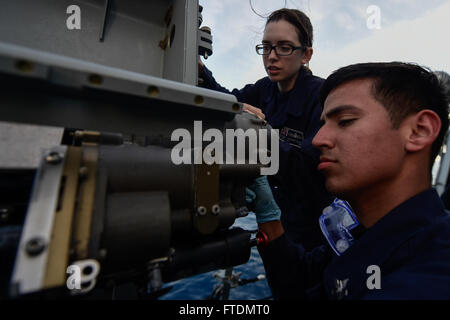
x: 254, y: 110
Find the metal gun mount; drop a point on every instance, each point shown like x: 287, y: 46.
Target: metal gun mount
x: 117, y: 210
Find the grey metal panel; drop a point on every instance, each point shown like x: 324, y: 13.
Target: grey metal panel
x: 191, y: 44
x: 22, y: 144
x: 181, y: 59
x: 132, y: 33
x: 29, y: 270
x: 73, y: 72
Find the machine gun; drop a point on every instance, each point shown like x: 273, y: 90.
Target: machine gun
x: 109, y: 206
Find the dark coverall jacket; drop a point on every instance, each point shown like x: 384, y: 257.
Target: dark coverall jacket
x: 298, y: 187
x: 410, y: 245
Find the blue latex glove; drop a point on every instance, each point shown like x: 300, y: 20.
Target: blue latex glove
x: 259, y: 193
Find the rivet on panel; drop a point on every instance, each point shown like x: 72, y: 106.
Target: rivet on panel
x: 153, y: 91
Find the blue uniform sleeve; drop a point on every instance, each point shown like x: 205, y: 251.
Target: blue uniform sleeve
x: 249, y: 94
x: 292, y: 272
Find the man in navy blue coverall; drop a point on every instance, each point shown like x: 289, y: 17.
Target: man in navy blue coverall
x: 383, y: 125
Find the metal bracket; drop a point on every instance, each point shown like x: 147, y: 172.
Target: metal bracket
x: 206, y: 218
x: 33, y: 251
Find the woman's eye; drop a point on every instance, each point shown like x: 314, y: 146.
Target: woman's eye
x: 345, y: 122
x: 285, y: 49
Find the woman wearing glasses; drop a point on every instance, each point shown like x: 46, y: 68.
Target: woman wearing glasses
x: 288, y: 99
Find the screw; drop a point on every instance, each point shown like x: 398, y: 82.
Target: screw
x: 102, y: 253
x: 4, y: 214
x: 83, y: 172
x: 95, y: 79
x: 153, y: 91
x: 24, y: 66
x: 199, y: 99
x: 35, y: 246
x: 53, y: 158
x: 201, y: 211
x: 215, y: 209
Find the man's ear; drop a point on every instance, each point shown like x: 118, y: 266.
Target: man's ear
x: 307, y: 55
x: 423, y: 129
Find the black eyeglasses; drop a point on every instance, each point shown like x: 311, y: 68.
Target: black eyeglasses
x: 280, y: 50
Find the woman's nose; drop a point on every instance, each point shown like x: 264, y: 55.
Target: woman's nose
x: 272, y: 55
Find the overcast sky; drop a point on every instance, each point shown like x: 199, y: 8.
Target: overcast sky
x: 410, y: 30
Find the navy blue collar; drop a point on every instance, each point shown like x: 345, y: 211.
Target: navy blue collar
x: 378, y: 243
x: 297, y: 96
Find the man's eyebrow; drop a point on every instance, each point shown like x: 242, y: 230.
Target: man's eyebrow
x: 333, y: 112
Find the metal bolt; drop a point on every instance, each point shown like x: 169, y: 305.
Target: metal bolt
x: 153, y: 91
x: 201, y: 210
x: 102, y: 253
x: 83, y: 172
x: 4, y: 214
x: 215, y: 209
x: 199, y: 99
x: 24, y: 66
x: 53, y: 158
x: 35, y: 246
x: 95, y: 79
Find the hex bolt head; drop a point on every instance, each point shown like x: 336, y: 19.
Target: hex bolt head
x: 35, y: 246
x: 4, y: 214
x: 53, y: 158
x: 83, y: 172
x: 215, y: 209
x: 102, y: 253
x: 201, y: 211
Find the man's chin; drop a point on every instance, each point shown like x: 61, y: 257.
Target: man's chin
x: 336, y: 189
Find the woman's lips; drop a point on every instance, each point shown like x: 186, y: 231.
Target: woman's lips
x: 273, y: 70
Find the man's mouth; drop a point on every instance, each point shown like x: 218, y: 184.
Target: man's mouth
x: 325, y: 163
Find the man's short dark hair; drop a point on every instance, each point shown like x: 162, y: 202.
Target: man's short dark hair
x: 402, y: 88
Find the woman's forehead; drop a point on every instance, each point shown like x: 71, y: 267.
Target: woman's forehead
x: 281, y: 30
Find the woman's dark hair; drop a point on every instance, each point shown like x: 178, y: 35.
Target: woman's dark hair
x: 298, y: 19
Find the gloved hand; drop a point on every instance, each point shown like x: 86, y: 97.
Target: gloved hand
x: 265, y: 207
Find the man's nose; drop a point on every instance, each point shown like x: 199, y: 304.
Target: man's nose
x: 322, y: 139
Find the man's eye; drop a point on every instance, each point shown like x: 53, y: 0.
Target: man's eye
x: 345, y: 122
